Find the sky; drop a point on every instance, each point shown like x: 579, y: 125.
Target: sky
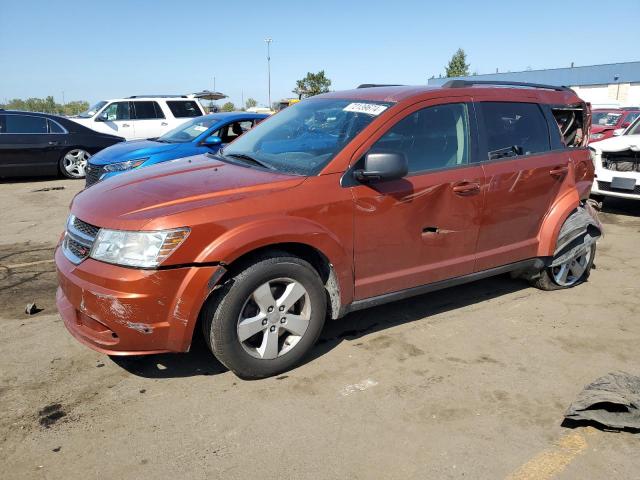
x: 93, y: 50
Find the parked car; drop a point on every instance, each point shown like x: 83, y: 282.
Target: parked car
x: 33, y: 144
x: 605, y: 123
x: 343, y: 201
x: 140, y: 116
x: 200, y: 135
x: 617, y: 165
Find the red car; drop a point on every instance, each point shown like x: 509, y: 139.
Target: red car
x: 604, y: 122
x: 340, y: 202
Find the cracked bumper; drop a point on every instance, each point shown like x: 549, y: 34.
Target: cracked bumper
x: 126, y: 311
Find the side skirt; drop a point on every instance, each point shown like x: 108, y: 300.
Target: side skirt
x: 524, y: 268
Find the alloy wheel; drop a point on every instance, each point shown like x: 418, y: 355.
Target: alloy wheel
x: 274, y: 318
x: 75, y: 162
x: 570, y: 272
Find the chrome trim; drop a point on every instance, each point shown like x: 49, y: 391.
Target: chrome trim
x: 73, y: 234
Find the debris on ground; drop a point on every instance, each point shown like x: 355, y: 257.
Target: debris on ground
x: 612, y: 401
x: 51, y: 414
x: 32, y: 309
x: 47, y: 189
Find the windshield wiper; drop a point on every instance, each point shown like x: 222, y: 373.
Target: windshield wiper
x: 249, y: 158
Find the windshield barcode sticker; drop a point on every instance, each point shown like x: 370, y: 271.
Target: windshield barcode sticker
x: 368, y: 108
x: 199, y: 128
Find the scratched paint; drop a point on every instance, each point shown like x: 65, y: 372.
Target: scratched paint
x: 552, y: 461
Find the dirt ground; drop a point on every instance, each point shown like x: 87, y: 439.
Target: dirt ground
x: 470, y: 382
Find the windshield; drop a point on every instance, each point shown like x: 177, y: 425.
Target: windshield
x: 92, y: 110
x: 302, y: 139
x: 634, y: 129
x: 187, y: 132
x: 605, y: 119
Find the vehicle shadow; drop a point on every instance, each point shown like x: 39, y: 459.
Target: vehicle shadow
x: 200, y: 361
x: 621, y: 206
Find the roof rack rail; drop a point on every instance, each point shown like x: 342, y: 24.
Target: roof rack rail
x: 373, y: 85
x: 499, y: 83
x: 157, y: 96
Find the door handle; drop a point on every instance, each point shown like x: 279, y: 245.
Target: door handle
x: 125, y: 124
x: 559, y: 172
x: 164, y: 124
x: 466, y: 188
x: 54, y: 143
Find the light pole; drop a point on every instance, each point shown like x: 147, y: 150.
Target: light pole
x: 269, y: 40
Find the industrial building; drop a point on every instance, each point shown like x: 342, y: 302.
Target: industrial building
x: 612, y: 84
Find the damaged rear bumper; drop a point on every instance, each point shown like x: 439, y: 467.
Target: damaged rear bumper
x: 126, y: 311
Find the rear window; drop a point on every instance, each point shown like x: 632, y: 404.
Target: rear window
x: 184, y: 108
x: 24, y: 124
x: 147, y: 110
x: 514, y: 129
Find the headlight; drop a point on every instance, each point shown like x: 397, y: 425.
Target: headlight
x: 596, y: 136
x: 137, y: 249
x: 122, y: 166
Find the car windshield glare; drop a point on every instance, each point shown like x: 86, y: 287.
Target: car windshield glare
x: 302, y: 139
x: 607, y: 119
x: 189, y: 131
x: 92, y: 110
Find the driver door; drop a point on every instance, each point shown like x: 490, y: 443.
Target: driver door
x: 422, y: 228
x: 115, y: 119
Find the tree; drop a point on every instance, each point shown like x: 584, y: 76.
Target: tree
x: 228, y: 107
x: 250, y: 103
x: 46, y: 105
x: 457, y: 65
x: 312, y: 84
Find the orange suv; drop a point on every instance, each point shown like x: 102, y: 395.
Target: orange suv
x: 343, y: 201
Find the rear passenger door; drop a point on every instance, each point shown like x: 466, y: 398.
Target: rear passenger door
x: 422, y: 228
x: 524, y: 176
x: 149, y: 119
x: 26, y: 146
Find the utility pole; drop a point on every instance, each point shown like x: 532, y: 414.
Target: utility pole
x: 269, y: 40
x: 63, y: 109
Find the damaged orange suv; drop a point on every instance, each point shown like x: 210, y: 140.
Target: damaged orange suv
x: 343, y: 201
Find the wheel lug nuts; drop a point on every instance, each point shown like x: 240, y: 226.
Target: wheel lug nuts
x: 270, y: 309
x: 273, y: 328
x: 264, y: 322
x: 283, y: 319
x: 281, y: 308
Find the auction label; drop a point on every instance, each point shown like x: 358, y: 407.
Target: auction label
x: 368, y: 108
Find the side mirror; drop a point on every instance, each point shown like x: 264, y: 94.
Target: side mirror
x: 212, y: 141
x: 380, y: 166
x: 101, y: 118
x: 618, y: 131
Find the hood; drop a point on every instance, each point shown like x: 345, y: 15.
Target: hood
x: 132, y: 150
x: 132, y: 200
x: 601, y: 128
x: 618, y: 144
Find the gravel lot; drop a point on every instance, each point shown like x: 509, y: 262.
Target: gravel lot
x: 469, y: 382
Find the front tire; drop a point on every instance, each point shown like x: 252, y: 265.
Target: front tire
x: 267, y: 317
x: 73, y: 164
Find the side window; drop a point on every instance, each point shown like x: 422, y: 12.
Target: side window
x: 514, y: 129
x: 54, y: 127
x: 184, y: 108
x: 432, y: 138
x: 25, y: 124
x: 116, y: 111
x: 147, y: 110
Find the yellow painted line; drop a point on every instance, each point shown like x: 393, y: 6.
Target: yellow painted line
x: 552, y: 461
x: 28, y: 264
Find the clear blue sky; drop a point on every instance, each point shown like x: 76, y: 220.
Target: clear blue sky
x: 105, y: 49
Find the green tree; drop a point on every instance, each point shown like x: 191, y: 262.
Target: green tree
x: 46, y: 105
x: 312, y: 84
x: 228, y: 107
x: 457, y: 65
x: 250, y: 103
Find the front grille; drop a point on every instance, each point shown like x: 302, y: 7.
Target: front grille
x: 93, y: 174
x: 78, y: 239
x: 628, y: 161
x: 606, y: 187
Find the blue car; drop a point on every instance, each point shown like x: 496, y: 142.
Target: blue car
x: 203, y: 134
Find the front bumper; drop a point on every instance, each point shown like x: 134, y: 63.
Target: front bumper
x: 127, y: 311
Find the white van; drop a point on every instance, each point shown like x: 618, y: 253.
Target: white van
x: 140, y: 116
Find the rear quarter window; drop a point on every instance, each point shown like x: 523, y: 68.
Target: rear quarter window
x: 184, y: 108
